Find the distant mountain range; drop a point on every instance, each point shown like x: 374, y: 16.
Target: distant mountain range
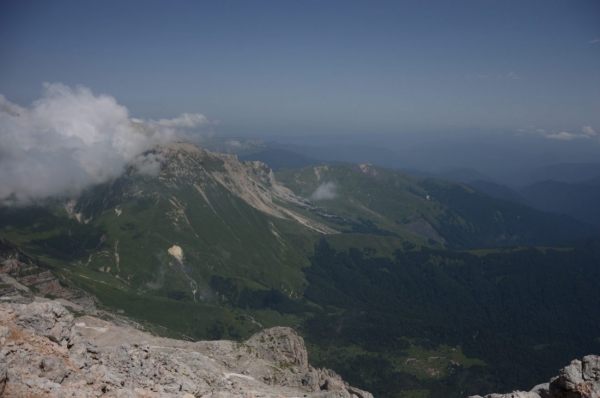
x: 351, y: 153
x: 563, y: 172
x: 498, y: 191
x: 376, y: 200
x: 505, y: 157
x: 579, y: 200
x: 566, y: 188
x: 279, y: 159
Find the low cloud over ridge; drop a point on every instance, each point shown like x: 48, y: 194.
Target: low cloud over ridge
x: 324, y: 191
x: 70, y: 138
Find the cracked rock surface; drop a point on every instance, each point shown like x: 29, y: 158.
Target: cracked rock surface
x: 44, y: 351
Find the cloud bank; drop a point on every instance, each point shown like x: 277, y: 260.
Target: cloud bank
x: 70, y: 138
x: 586, y: 132
x: 325, y: 191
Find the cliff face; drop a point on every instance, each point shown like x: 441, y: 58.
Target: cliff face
x: 580, y: 379
x: 45, y: 351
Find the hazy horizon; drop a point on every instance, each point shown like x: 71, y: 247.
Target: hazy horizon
x: 87, y: 87
x: 289, y: 68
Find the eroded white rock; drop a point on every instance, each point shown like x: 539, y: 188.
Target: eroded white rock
x: 176, y: 252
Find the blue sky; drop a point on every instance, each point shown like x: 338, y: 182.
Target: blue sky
x: 318, y: 67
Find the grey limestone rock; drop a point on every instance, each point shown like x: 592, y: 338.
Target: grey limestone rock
x: 281, y: 345
x: 543, y: 390
x: 48, y: 319
x: 514, y: 394
x: 53, y: 369
x: 591, y: 368
x: 579, y: 379
x: 3, y: 373
x: 48, y: 353
x: 568, y: 377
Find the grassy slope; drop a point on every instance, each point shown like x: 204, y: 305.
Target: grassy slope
x: 118, y: 248
x: 379, y: 201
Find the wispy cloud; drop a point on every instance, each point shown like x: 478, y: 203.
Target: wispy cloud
x: 512, y: 76
x: 563, y: 135
x: 234, y: 143
x: 71, y: 138
x: 186, y: 120
x: 594, y: 41
x: 586, y: 132
x: 324, y: 191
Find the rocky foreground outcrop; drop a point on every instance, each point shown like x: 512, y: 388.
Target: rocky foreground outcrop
x: 45, y: 351
x: 580, y: 379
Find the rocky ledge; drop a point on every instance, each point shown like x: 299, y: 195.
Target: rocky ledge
x: 580, y: 379
x: 45, y: 351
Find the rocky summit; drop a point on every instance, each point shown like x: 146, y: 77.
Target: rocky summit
x: 46, y: 351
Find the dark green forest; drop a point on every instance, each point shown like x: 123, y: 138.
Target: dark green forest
x: 526, y: 312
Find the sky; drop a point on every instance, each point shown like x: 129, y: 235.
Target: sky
x: 256, y: 68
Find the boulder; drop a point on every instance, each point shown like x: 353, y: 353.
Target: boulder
x: 49, y: 319
x: 281, y: 345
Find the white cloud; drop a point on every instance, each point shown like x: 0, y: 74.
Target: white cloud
x: 148, y: 164
x: 325, y: 191
x: 234, y: 143
x: 594, y: 41
x: 588, y: 130
x: 511, y: 76
x: 71, y: 138
x: 563, y: 135
x: 186, y: 120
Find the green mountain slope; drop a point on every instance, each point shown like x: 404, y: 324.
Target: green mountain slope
x: 204, y: 217
x: 378, y: 201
